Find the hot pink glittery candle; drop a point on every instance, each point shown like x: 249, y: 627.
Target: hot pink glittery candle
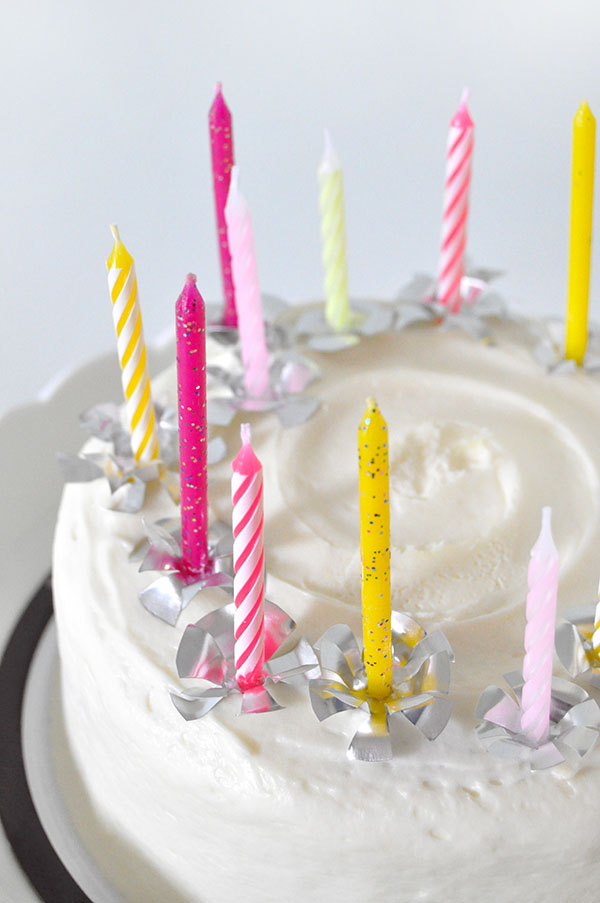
x: 539, y: 634
x: 221, y: 147
x: 255, y: 356
x: 191, y: 399
x: 249, y: 564
x: 456, y: 207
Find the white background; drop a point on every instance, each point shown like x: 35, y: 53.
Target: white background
x: 104, y: 118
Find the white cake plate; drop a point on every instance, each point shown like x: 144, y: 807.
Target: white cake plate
x: 30, y: 488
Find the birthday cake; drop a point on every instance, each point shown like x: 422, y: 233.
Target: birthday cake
x: 268, y: 806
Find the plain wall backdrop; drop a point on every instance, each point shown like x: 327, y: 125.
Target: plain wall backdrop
x: 104, y: 119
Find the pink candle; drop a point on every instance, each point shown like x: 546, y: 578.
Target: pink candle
x: 191, y: 398
x: 255, y: 356
x: 456, y: 206
x: 539, y: 634
x: 248, y: 563
x: 221, y: 147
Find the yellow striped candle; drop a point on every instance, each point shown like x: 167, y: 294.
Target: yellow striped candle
x: 127, y: 317
x: 580, y: 242
x: 331, y: 202
x: 374, y: 491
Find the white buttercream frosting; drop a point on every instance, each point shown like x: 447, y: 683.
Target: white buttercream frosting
x: 268, y: 807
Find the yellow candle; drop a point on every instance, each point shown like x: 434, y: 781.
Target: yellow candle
x: 580, y: 244
x: 374, y: 485
x: 127, y: 317
x: 331, y: 201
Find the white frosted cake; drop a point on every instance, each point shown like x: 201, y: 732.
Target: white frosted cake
x: 268, y: 807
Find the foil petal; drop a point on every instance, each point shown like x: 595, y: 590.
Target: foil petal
x: 257, y: 700
x: 167, y: 596
x: 193, y: 706
x: 372, y: 741
x: 199, y: 656
x: 78, y: 469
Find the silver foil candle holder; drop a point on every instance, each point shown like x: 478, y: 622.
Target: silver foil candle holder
x: 420, y: 684
x: 276, y: 334
x: 290, y: 373
x: 417, y: 303
x: 126, y: 478
x: 369, y: 318
x: 171, y: 592
x: 206, y: 652
x: 573, y: 730
x: 549, y: 351
x: 574, y: 644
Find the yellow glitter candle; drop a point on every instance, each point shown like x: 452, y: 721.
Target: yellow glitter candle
x: 122, y: 285
x: 331, y: 201
x: 374, y: 484
x: 580, y: 243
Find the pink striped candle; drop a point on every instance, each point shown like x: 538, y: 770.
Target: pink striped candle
x: 221, y: 148
x: 456, y: 206
x: 255, y: 356
x: 191, y: 399
x: 539, y: 634
x: 248, y: 564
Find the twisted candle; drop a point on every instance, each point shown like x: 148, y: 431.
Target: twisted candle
x: 331, y: 201
x: 221, y: 148
x: 456, y: 206
x: 122, y: 284
x: 255, y: 356
x: 539, y: 634
x: 248, y: 563
x: 374, y: 489
x: 596, y: 634
x: 191, y: 400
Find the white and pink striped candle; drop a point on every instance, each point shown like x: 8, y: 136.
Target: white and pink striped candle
x: 456, y: 207
x: 542, y: 579
x: 255, y: 355
x: 248, y: 564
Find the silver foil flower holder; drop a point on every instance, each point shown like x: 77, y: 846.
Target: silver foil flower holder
x: 574, y: 646
x: 573, y: 732
x: 548, y: 335
x: 368, y: 318
x: 290, y: 373
x: 420, y: 684
x: 417, y: 303
x: 171, y: 592
x: 206, y: 652
x: 127, y: 479
x: 276, y: 334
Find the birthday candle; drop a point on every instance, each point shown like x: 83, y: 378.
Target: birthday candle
x: 255, y: 356
x: 375, y: 550
x: 542, y: 579
x: 331, y: 202
x: 221, y: 147
x: 580, y: 243
x: 191, y: 399
x: 456, y: 206
x: 248, y: 564
x: 131, y: 348
x: 596, y: 634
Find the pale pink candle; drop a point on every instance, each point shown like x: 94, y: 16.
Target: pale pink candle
x: 248, y: 564
x: 456, y: 206
x: 221, y: 147
x: 539, y: 634
x: 191, y: 400
x: 255, y: 356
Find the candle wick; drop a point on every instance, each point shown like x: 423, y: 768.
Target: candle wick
x: 191, y: 279
x: 219, y: 88
x: 115, y: 232
x: 245, y: 433
x: 371, y: 402
x: 465, y: 96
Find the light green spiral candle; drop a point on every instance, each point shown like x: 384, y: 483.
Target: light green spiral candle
x: 331, y: 200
